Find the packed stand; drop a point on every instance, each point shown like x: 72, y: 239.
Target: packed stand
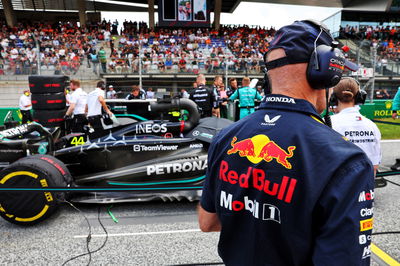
x: 62, y: 47
x: 195, y: 50
x: 385, y: 38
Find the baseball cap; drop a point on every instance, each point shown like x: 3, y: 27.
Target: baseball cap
x: 299, y: 41
x: 111, y: 86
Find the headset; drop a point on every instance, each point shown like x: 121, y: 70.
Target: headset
x: 359, y: 98
x: 325, y: 67
x: 326, y: 64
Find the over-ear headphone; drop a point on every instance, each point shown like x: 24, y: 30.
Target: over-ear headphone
x: 359, y: 98
x: 326, y: 64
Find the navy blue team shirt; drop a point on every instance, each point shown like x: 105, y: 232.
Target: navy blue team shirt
x: 288, y: 190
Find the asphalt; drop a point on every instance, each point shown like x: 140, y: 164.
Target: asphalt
x: 156, y: 233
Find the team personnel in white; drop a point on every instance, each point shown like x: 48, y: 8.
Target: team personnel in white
x: 25, y: 106
x: 77, y: 107
x: 95, y: 104
x: 351, y: 124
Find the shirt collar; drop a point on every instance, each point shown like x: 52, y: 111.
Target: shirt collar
x: 282, y: 102
x: 348, y: 110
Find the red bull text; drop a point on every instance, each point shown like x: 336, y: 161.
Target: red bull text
x: 257, y: 179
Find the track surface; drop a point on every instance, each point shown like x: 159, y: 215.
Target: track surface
x: 156, y: 233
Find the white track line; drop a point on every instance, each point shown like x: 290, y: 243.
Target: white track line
x: 390, y: 140
x: 144, y: 233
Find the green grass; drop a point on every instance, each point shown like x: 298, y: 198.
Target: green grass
x: 389, y: 131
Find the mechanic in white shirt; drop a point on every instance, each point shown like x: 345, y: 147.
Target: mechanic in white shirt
x: 77, y: 107
x: 351, y: 124
x: 95, y: 105
x: 25, y: 106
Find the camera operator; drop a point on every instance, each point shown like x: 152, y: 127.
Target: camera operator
x: 351, y: 124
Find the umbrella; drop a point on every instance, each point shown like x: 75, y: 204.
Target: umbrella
x: 208, y: 128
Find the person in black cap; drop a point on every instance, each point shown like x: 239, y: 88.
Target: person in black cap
x: 281, y: 186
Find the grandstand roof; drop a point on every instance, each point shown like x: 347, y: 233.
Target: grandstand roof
x: 227, y: 5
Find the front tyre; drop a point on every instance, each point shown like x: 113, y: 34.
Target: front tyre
x: 32, y: 207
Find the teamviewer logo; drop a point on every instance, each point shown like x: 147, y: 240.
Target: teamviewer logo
x: 136, y: 148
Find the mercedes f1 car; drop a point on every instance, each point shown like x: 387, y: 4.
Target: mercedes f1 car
x: 135, y: 160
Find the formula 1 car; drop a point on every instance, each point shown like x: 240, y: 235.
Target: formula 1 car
x: 136, y: 160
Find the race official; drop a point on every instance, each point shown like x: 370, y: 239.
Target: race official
x: 351, y: 124
x: 77, y: 107
x: 95, y: 105
x: 247, y: 97
x: 281, y: 186
x: 203, y: 97
x: 25, y: 106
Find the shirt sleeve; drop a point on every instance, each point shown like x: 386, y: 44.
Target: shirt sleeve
x: 396, y: 101
x: 343, y: 216
x: 258, y: 95
x: 74, y: 98
x: 207, y: 201
x: 234, y: 96
x: 376, y: 149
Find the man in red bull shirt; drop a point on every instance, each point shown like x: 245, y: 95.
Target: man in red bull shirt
x: 281, y: 186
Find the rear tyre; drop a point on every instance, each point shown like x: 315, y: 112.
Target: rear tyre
x: 32, y: 207
x: 54, y: 101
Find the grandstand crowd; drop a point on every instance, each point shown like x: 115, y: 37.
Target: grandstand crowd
x: 385, y: 38
x: 64, y: 48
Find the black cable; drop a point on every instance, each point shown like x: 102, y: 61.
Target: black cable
x: 89, y: 237
x: 199, y: 264
x: 393, y: 183
x: 386, y: 233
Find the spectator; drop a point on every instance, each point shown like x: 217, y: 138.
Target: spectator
x: 103, y: 59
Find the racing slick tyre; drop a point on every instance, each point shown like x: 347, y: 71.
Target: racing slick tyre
x: 55, y: 101
x: 47, y: 84
x: 49, y: 118
x: 32, y: 207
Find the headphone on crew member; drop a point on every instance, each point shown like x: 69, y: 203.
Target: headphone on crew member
x: 326, y: 64
x: 359, y: 98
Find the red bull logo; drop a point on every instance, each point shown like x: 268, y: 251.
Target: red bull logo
x: 259, y: 148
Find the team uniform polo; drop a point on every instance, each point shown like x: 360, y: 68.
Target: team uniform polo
x: 288, y: 190
x: 93, y: 102
x: 359, y: 130
x: 246, y: 96
x: 25, y: 106
x: 204, y: 98
x: 95, y: 109
x: 79, y: 98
